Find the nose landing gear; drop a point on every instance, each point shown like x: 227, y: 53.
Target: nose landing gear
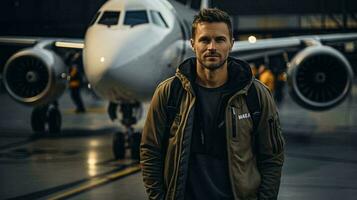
x: 129, y: 138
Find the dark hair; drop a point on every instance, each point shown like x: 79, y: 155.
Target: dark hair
x: 212, y: 15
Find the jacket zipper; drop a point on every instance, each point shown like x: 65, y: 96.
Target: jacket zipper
x: 272, y: 136
x: 202, y: 137
x: 234, y: 120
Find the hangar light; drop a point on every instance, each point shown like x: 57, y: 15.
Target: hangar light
x: 69, y: 45
x: 252, y: 39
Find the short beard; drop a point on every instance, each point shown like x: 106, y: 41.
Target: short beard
x: 212, y: 67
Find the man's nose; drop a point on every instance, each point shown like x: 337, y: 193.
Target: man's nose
x: 212, y: 45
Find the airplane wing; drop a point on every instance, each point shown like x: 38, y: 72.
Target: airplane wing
x: 319, y: 67
x: 31, y: 41
x: 267, y: 47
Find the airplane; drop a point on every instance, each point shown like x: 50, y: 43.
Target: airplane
x: 132, y: 45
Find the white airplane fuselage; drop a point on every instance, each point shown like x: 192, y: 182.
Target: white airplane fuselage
x: 124, y: 62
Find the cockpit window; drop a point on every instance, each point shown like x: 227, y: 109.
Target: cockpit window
x: 94, y: 18
x: 109, y: 18
x: 133, y: 18
x: 158, y: 19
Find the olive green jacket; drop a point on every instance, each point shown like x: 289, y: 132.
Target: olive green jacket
x: 254, y: 165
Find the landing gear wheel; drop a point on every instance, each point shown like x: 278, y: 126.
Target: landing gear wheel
x: 38, y: 119
x: 130, y: 111
x: 119, y: 145
x: 54, y: 121
x: 135, y: 145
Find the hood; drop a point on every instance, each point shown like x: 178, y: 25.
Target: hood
x: 239, y: 73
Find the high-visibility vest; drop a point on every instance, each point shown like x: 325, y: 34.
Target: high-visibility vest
x: 267, y: 77
x: 74, y: 82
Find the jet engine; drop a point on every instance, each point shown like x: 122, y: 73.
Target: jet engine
x: 35, y: 76
x: 319, y: 77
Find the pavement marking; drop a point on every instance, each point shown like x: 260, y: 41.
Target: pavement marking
x: 96, y: 182
x: 18, y: 143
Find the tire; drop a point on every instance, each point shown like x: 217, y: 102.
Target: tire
x: 54, y: 121
x: 38, y: 121
x: 119, y: 145
x: 135, y: 146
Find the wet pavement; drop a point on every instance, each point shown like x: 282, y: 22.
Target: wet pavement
x: 321, y: 161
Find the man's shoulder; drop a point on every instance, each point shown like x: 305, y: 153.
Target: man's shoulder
x: 266, y: 98
x: 261, y: 86
x: 163, y: 88
x: 166, y: 82
x: 262, y: 90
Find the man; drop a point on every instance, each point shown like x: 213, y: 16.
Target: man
x: 210, y: 153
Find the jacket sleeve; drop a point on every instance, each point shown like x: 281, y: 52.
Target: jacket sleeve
x: 151, y: 157
x: 270, y: 146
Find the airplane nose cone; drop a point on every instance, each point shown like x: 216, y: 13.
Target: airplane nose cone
x: 99, y: 53
x: 111, y: 57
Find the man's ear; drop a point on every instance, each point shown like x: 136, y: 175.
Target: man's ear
x: 232, y: 43
x: 192, y: 44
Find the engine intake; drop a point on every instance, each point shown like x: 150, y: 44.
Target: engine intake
x: 35, y: 76
x: 320, y: 78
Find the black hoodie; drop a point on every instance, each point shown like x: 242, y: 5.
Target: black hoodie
x: 208, y: 176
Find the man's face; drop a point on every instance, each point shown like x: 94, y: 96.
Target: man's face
x: 212, y: 44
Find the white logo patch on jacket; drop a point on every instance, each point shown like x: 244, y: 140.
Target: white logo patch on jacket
x: 244, y: 116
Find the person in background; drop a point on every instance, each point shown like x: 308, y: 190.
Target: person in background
x: 75, y: 82
x: 267, y: 77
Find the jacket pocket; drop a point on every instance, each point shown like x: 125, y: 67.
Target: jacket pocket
x: 276, y: 139
x: 234, y: 114
x: 278, y: 134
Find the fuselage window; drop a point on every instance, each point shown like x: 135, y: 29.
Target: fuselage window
x: 158, y: 19
x: 109, y: 18
x: 134, y: 18
x: 94, y: 19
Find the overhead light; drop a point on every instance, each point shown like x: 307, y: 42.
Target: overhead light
x: 252, y: 39
x: 349, y: 47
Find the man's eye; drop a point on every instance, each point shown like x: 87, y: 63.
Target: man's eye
x: 205, y: 41
x: 220, y: 40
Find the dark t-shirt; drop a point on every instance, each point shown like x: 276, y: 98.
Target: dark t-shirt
x: 208, y: 176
